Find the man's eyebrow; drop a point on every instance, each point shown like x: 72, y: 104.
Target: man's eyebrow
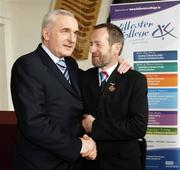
x: 68, y: 29
x: 95, y: 41
x: 65, y: 28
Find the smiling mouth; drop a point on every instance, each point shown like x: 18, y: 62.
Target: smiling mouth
x: 68, y: 46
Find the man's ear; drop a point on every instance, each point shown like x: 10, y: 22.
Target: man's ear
x: 117, y: 48
x: 45, y: 34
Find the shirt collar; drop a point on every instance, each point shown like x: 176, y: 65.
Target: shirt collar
x: 109, y: 71
x: 50, y: 54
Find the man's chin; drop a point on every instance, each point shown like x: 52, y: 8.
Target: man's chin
x: 67, y: 54
x: 95, y: 64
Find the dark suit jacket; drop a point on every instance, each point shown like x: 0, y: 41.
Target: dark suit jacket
x: 121, y: 113
x: 49, y: 112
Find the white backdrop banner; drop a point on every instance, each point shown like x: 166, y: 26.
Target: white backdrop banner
x: 152, y: 45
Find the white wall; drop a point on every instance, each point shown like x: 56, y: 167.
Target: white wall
x: 25, y: 17
x: 5, y: 63
x: 5, y: 57
x: 20, y: 22
x: 3, y: 79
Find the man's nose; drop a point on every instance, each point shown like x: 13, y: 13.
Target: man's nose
x: 93, y: 48
x: 72, y: 37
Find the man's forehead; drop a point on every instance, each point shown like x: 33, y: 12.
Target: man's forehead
x: 99, y: 34
x: 67, y: 22
x: 67, y: 18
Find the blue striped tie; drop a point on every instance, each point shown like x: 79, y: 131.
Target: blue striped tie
x: 62, y: 66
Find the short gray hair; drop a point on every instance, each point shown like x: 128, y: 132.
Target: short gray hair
x: 50, y: 16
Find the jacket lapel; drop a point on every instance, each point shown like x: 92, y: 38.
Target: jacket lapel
x: 93, y: 87
x: 74, y: 77
x: 113, y: 80
x: 53, y: 70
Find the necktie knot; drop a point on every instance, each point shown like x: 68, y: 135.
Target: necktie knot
x: 103, y: 75
x: 61, y: 63
x: 62, y: 66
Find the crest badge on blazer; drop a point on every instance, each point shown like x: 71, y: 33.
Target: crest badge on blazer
x: 112, y: 87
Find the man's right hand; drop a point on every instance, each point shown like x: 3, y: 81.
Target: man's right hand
x: 88, y: 149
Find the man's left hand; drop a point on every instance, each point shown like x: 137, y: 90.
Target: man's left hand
x: 124, y: 66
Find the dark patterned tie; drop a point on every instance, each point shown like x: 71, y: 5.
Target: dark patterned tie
x: 62, y: 66
x: 103, y: 76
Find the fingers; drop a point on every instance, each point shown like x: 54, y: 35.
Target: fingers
x: 86, y: 137
x: 90, y: 155
x: 124, y: 66
x: 87, y: 122
x: 85, y: 115
x: 88, y: 150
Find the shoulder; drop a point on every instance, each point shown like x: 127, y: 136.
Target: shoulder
x: 134, y: 75
x: 71, y: 61
x: 87, y: 75
x: 29, y: 57
x: 25, y: 59
x: 90, y: 72
x: 27, y: 62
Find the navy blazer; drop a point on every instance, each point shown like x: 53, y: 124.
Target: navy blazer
x: 49, y: 112
x: 121, y: 112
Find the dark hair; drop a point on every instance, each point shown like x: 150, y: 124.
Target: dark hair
x: 115, y: 33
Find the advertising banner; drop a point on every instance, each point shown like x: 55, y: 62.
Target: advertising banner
x: 151, y: 31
